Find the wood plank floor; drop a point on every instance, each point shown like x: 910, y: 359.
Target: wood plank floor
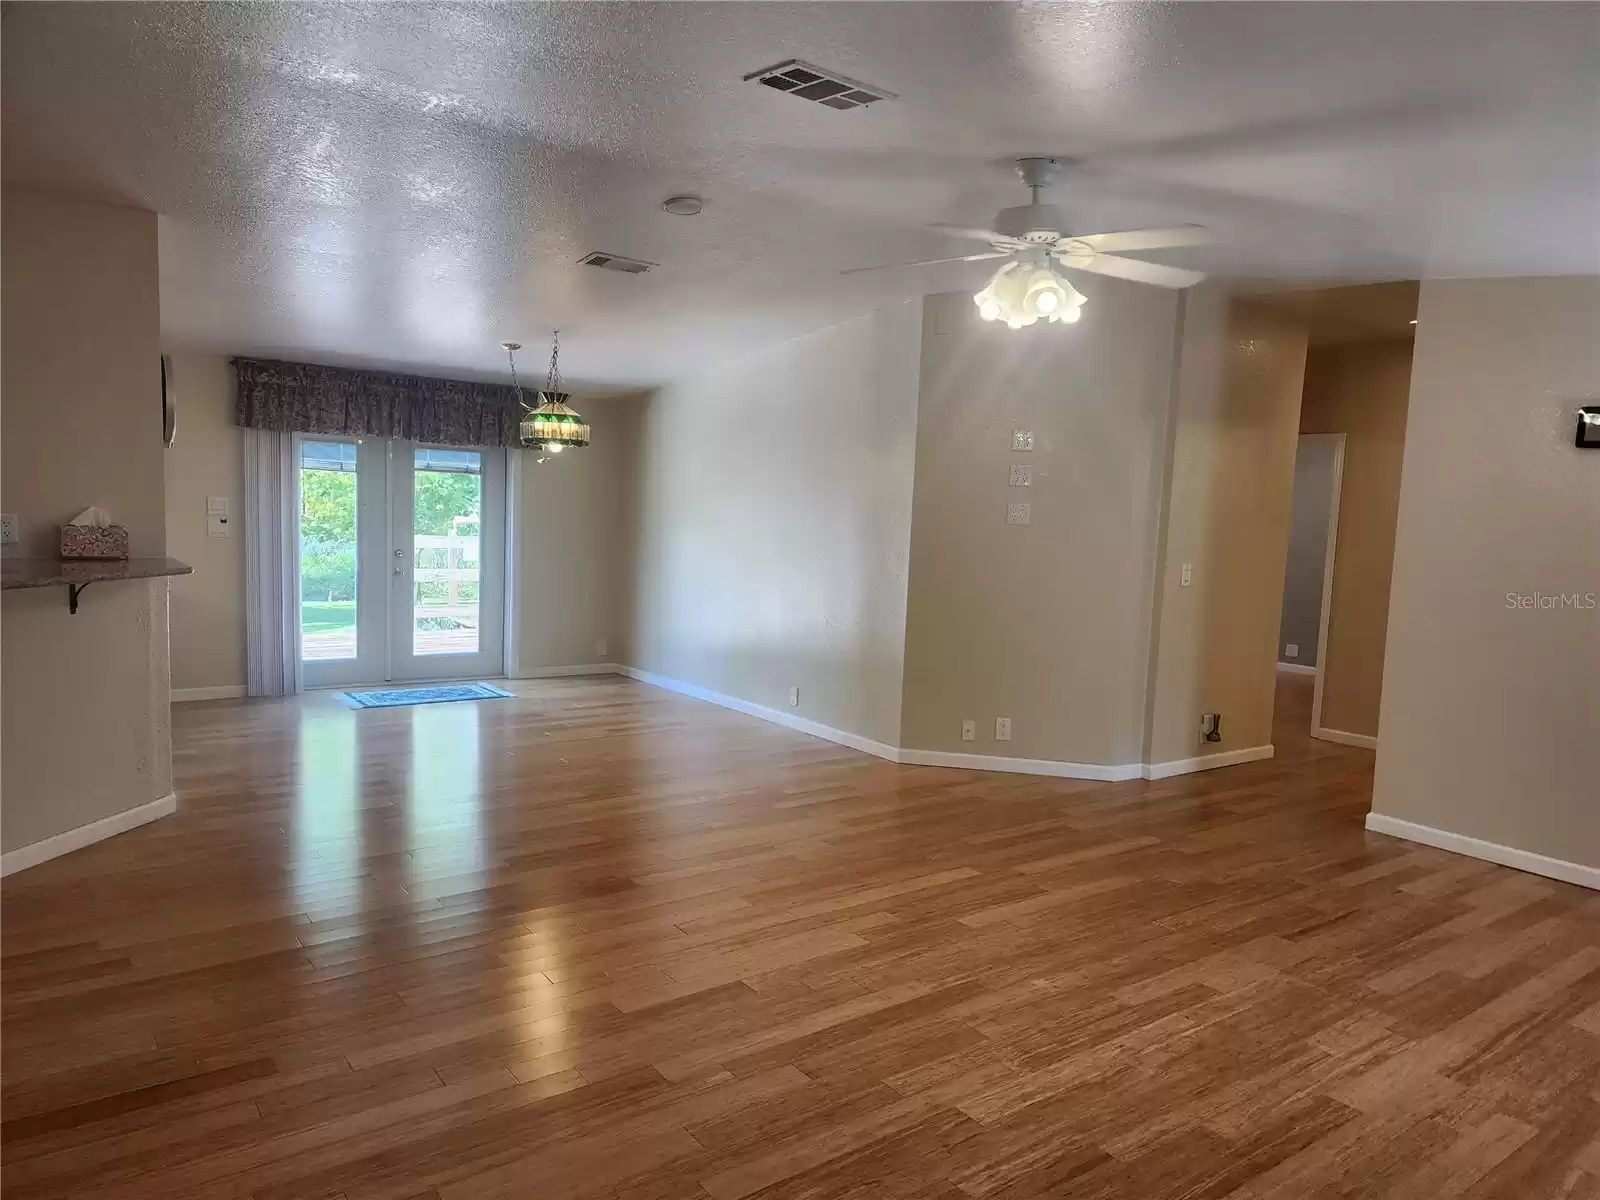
x: 603, y: 941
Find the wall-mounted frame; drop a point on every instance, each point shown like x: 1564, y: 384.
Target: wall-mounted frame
x: 1588, y: 436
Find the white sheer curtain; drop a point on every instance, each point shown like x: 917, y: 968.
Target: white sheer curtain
x: 271, y: 556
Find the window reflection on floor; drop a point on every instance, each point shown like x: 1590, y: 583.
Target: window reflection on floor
x: 327, y: 815
x: 445, y: 803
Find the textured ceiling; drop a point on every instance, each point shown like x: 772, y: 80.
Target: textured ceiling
x: 410, y: 184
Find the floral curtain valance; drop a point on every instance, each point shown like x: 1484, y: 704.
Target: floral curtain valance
x: 305, y: 398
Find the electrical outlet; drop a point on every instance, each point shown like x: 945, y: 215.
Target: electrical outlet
x: 600, y: 647
x: 794, y: 697
x: 8, y: 529
x: 1019, y: 514
x: 1187, y: 576
x: 1021, y: 475
x: 1022, y: 440
x: 1002, y: 729
x: 1211, y: 727
x: 969, y: 731
x: 1290, y: 650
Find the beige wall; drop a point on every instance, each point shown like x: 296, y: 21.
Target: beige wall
x: 206, y: 459
x: 1047, y: 624
x: 1491, y: 713
x: 1360, y: 389
x: 85, y: 697
x: 574, y: 531
x: 1227, y: 512
x: 775, y: 521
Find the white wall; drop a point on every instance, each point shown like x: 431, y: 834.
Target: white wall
x: 1047, y: 624
x: 85, y: 721
x: 1490, y: 725
x: 775, y: 524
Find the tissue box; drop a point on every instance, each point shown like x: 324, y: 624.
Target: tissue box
x: 94, y: 541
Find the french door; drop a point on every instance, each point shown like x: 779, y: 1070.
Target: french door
x: 400, y: 561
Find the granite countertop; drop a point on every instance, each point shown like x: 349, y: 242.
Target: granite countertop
x: 48, y: 572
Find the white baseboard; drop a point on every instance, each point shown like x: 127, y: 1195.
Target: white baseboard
x: 1506, y: 856
x: 911, y: 757
x: 86, y: 835
x: 1020, y: 766
x: 778, y: 717
x: 1206, y: 762
x: 1365, y: 741
x: 230, y: 691
x: 563, y: 672
x: 1296, y: 669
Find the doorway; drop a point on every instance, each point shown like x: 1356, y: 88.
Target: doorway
x: 400, y: 559
x: 1308, y: 576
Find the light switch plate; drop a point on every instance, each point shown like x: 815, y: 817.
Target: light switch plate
x: 1019, y: 514
x: 969, y: 731
x: 1002, y: 729
x: 1021, y: 475
x: 794, y: 697
x: 8, y: 529
x: 1291, y: 650
x: 1022, y: 439
x: 216, y: 506
x: 1188, y: 575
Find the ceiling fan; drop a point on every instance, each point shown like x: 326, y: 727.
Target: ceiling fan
x: 1033, y: 236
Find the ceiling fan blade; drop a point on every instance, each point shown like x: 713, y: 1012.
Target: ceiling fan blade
x: 982, y: 235
x: 1135, y: 270
x: 1146, y: 239
x: 928, y: 262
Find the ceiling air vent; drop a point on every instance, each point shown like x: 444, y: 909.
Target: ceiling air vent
x: 615, y: 262
x: 813, y: 83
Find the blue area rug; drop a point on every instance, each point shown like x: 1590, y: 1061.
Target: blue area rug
x: 439, y: 693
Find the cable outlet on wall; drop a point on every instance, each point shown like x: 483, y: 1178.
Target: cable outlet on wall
x: 600, y: 647
x: 794, y: 697
x: 8, y: 529
x: 969, y: 731
x: 1002, y: 729
x: 1291, y: 650
x: 1187, y: 576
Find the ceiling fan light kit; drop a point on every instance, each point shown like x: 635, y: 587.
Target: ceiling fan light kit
x: 1021, y: 294
x: 1033, y: 236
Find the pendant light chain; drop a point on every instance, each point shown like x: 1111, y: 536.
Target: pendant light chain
x: 552, y: 380
x: 511, y: 357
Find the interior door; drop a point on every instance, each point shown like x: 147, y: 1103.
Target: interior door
x: 400, y: 561
x: 447, y: 551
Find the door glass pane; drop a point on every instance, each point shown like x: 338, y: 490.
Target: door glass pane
x: 446, y: 508
x: 327, y: 550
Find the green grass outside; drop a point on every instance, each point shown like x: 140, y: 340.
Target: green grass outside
x: 327, y: 616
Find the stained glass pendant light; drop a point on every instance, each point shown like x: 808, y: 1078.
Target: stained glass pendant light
x: 549, y: 426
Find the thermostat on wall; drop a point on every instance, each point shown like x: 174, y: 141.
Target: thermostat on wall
x: 1589, y: 428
